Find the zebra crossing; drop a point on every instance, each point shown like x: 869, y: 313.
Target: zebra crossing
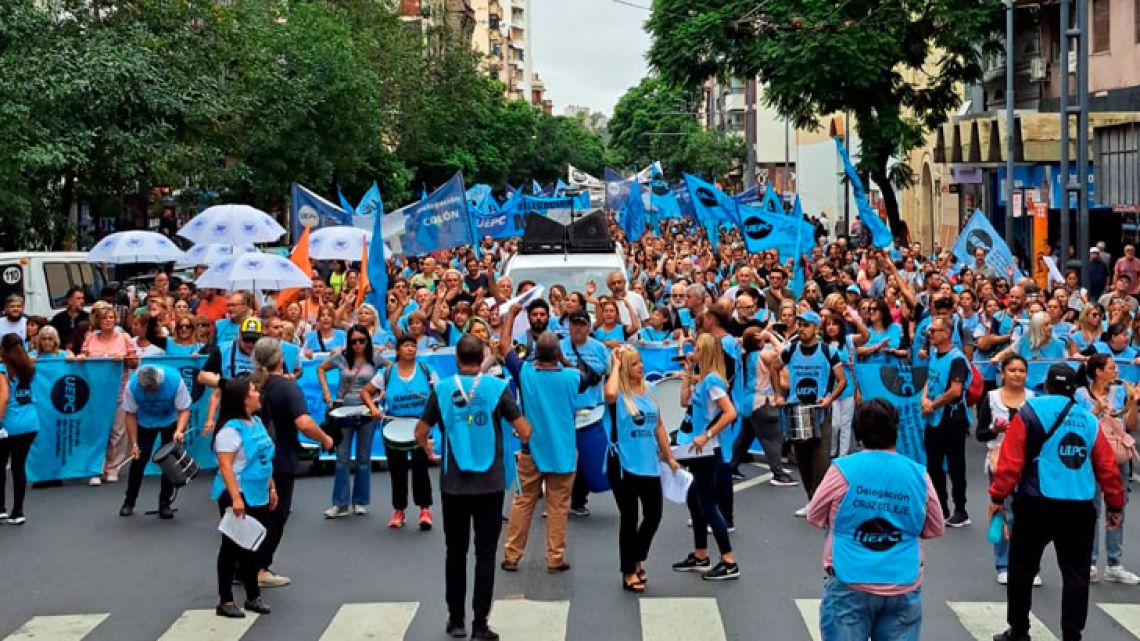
x: 690, y: 618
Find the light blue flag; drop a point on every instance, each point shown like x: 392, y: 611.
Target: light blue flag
x: 662, y: 199
x: 880, y: 232
x: 901, y: 386
x: 369, y: 206
x: 75, y: 407
x: 377, y: 295
x: 633, y: 219
x: 307, y: 209
x: 344, y: 204
x: 684, y: 200
x: 535, y: 188
x: 772, y: 201
x: 617, y: 189
x: 559, y: 187
x: 749, y: 196
x: 798, y: 275
x: 712, y: 206
x: 440, y: 222
x: 763, y: 230
x: 479, y: 199
x: 978, y: 232
x: 505, y: 221
x: 197, y: 444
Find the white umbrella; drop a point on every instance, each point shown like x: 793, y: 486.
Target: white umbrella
x: 134, y: 247
x: 254, y: 272
x: 232, y: 225
x: 212, y: 253
x: 340, y: 242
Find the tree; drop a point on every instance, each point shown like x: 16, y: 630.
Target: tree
x: 896, y: 66
x: 657, y: 121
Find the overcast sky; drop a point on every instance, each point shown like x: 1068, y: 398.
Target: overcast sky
x: 588, y: 52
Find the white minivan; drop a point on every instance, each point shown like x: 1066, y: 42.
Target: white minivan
x: 43, y: 279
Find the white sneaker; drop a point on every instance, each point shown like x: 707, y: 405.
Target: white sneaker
x: 359, y: 510
x: 113, y: 476
x: 1037, y: 582
x: 689, y: 522
x: 1119, y: 574
x: 1094, y: 576
x: 802, y: 512
x: 1003, y: 578
x: 95, y: 480
x: 335, y: 512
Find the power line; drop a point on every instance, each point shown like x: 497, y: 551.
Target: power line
x: 632, y: 4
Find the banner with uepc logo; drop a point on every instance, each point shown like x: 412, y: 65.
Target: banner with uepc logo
x: 75, y: 403
x: 900, y: 385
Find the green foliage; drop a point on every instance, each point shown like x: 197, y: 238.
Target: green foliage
x: 657, y: 121
x: 895, y: 65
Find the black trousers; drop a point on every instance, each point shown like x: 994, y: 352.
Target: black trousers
x: 580, y: 493
x: 813, y: 457
x: 630, y: 490
x: 275, y: 528
x: 463, y: 513
x: 946, y: 448
x: 147, y: 436
x: 400, y: 463
x: 17, y: 448
x: 703, y: 501
x: 232, y: 558
x: 1069, y: 525
x: 763, y: 425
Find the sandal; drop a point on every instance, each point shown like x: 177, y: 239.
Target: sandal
x: 636, y: 587
x: 643, y: 576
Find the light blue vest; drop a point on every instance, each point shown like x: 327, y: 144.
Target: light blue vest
x: 548, y: 396
x: 597, y: 357
x: 616, y: 333
x: 637, y: 435
x: 704, y: 413
x: 253, y: 481
x: 938, y: 379
x: 20, y: 416
x: 467, y: 407
x: 156, y: 410
x: 893, y: 336
x: 406, y: 399
x: 234, y: 361
x: 225, y: 330
x: 809, y: 377
x: 1064, y: 465
x: 1054, y: 348
x: 291, y: 355
x: 875, y: 537
x: 174, y: 349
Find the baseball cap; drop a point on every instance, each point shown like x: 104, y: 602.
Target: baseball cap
x: 578, y: 316
x: 1094, y: 249
x: 1061, y: 379
x: 251, y: 329
x: 809, y: 317
x: 854, y: 289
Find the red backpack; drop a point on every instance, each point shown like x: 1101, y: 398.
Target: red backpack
x: 976, y: 390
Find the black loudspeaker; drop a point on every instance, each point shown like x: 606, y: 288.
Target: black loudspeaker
x: 591, y: 233
x: 543, y: 235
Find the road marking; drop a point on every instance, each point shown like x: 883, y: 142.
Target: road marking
x: 64, y: 627
x: 204, y: 625
x: 371, y: 622
x: 1126, y: 614
x: 809, y: 612
x: 531, y: 620
x: 753, y: 482
x: 691, y: 619
x: 984, y: 619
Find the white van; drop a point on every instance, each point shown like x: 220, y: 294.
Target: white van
x: 571, y: 270
x: 43, y: 279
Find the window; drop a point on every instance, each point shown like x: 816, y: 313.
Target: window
x: 57, y: 283
x: 1101, y: 39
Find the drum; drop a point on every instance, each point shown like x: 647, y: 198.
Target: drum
x: 804, y: 422
x: 400, y: 434
x: 587, y: 417
x: 668, y: 393
x: 592, y: 444
x: 347, y: 416
x: 177, y: 466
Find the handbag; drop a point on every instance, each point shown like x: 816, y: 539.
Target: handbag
x: 1123, y: 444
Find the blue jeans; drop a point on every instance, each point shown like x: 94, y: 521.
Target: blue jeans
x: 1113, y: 539
x: 362, y: 467
x: 1001, y: 548
x: 849, y: 615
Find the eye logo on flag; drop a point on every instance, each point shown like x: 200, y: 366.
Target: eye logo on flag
x: 979, y: 239
x: 706, y: 197
x: 903, y: 381
x: 659, y: 187
x: 757, y: 229
x: 69, y: 394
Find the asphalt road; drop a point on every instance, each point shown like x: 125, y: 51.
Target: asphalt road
x: 137, y: 578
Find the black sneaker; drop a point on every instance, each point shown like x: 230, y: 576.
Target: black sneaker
x: 167, y: 512
x: 128, y: 510
x: 722, y: 572
x: 692, y: 564
x: 737, y: 475
x: 960, y: 519
x: 1008, y: 635
x: 16, y: 518
x: 484, y: 633
x: 580, y: 510
x: 456, y: 630
x: 783, y: 480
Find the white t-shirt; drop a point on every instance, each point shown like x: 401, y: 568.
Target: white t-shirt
x: 19, y: 328
x: 229, y: 440
x: 637, y: 302
x: 181, y: 397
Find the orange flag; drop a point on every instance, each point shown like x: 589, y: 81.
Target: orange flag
x: 362, y: 286
x: 300, y: 257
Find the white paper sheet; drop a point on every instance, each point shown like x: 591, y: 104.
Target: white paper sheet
x: 674, y: 485
x: 247, y: 532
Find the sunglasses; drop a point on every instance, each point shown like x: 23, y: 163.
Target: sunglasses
x: 203, y: 324
x: 185, y: 326
x: 358, y: 341
x: 249, y: 339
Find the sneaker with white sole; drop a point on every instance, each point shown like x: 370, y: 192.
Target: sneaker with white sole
x: 95, y: 481
x: 113, y: 476
x: 1094, y: 576
x: 722, y: 572
x: 783, y: 481
x: 337, y: 512
x: 1037, y: 582
x: 359, y: 510
x: 1120, y: 574
x: 16, y: 518
x: 1003, y: 578
x: 692, y: 564
x: 802, y: 512
x: 959, y: 519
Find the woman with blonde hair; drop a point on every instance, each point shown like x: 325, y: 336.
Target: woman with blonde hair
x: 1037, y: 342
x: 706, y: 392
x: 637, y: 440
x: 106, y: 340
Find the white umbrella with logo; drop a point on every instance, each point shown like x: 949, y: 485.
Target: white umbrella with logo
x: 212, y: 253
x: 134, y: 247
x: 254, y: 272
x: 340, y: 242
x: 235, y: 225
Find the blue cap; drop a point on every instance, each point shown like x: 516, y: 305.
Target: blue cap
x: 854, y: 289
x: 809, y: 317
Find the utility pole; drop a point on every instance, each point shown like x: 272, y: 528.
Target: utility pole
x: 1009, y: 122
x: 1075, y: 180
